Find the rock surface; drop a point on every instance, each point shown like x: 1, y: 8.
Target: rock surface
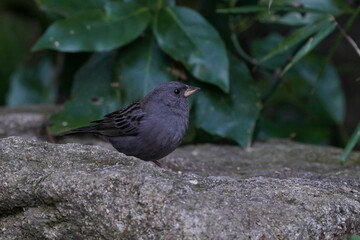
x: 276, y: 190
x: 28, y: 121
x: 73, y: 191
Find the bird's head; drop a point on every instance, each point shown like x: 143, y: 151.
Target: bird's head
x: 171, y: 94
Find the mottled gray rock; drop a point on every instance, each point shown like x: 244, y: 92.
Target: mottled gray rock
x: 72, y: 191
x: 27, y: 121
x: 276, y: 190
x: 273, y: 158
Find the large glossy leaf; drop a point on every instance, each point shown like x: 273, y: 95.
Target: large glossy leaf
x: 93, y: 95
x: 97, y: 30
x: 219, y: 21
x: 69, y: 7
x: 142, y: 67
x: 32, y: 85
x: 297, y: 37
x: 234, y: 115
x: 187, y: 37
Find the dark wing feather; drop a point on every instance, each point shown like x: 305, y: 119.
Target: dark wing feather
x: 124, y: 122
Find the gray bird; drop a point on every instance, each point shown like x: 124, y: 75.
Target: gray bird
x: 150, y: 128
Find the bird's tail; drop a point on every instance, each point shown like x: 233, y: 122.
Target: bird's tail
x: 86, y: 129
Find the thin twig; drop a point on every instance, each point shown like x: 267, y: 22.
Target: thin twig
x: 278, y: 76
x: 240, y: 51
x: 269, y: 7
x: 336, y: 44
x: 278, y: 79
x: 348, y: 38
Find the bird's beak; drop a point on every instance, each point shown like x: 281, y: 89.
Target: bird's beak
x: 190, y: 90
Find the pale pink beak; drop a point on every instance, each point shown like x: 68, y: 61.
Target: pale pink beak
x: 190, y: 90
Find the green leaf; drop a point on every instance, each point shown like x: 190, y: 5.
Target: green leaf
x: 355, y: 139
x: 329, y: 6
x: 309, y: 133
x: 218, y: 21
x: 142, y: 67
x: 327, y: 89
x: 310, y: 44
x: 70, y: 7
x: 261, y: 46
x: 288, y: 12
x: 32, y: 85
x: 154, y: 4
x: 296, y: 37
x: 273, y: 8
x: 304, y: 108
x: 187, y: 37
x: 305, y: 14
x: 96, y: 30
x: 93, y: 95
x: 233, y: 115
x: 355, y: 237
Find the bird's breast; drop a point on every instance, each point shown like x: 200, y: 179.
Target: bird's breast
x: 164, y: 130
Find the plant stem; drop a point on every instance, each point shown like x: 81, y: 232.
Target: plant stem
x: 355, y: 138
x: 337, y: 42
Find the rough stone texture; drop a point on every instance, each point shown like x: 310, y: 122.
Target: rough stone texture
x: 26, y: 121
x: 73, y: 191
x: 273, y: 158
x: 276, y: 190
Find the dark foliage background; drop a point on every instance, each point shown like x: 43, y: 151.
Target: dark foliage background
x: 266, y: 68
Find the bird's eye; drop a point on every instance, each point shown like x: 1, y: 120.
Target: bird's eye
x: 176, y: 91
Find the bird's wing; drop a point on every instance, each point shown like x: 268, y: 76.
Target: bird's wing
x: 124, y: 122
